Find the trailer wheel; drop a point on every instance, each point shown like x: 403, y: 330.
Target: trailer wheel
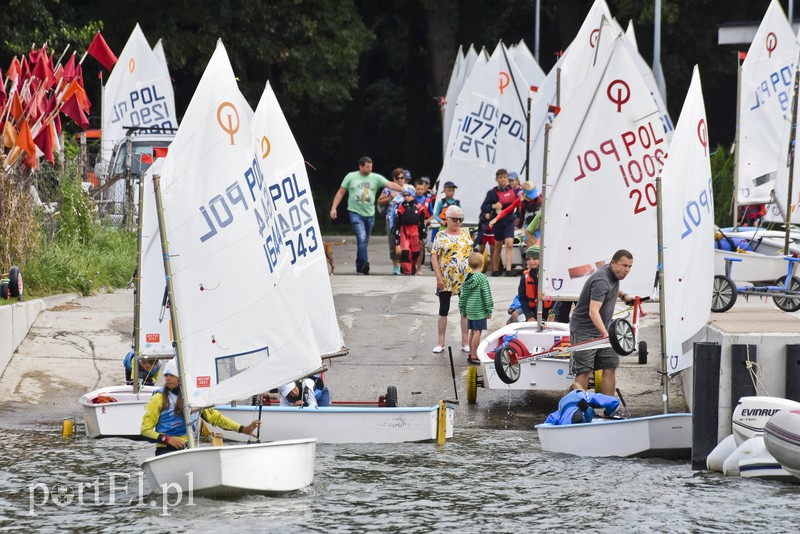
x: 724, y: 294
x: 642, y: 352
x: 15, y: 285
x: 621, y: 337
x: 472, y: 385
x: 788, y: 304
x: 506, y: 365
x: 4, y: 293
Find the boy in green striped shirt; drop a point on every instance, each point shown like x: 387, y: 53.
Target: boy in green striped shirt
x: 475, y: 303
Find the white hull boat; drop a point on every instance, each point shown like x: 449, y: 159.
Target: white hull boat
x: 115, y: 411
x: 666, y: 435
x: 782, y: 439
x: 754, y: 267
x: 752, y: 460
x: 275, y: 467
x: 341, y: 423
x: 744, y: 452
x: 546, y: 374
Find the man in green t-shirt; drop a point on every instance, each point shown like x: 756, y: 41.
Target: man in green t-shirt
x: 362, y: 186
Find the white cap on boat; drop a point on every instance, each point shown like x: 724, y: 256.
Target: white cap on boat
x: 171, y: 368
x: 285, y: 390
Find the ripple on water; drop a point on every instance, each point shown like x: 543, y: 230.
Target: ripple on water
x: 482, y: 479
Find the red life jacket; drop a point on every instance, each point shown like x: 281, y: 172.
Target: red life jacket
x: 505, y: 197
x: 532, y: 292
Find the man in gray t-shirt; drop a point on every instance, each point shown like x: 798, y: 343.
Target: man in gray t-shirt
x: 590, y: 319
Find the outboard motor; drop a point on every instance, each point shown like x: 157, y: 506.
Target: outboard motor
x: 752, y: 413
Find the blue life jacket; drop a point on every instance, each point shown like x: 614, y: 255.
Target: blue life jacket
x: 578, y: 407
x: 169, y: 422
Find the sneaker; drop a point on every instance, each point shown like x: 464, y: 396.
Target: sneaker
x: 473, y: 361
x: 359, y: 269
x: 437, y: 349
x: 496, y: 273
x: 465, y: 348
x: 509, y: 273
x: 396, y: 270
x: 365, y: 269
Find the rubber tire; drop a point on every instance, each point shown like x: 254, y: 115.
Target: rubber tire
x: 472, y: 385
x: 642, y: 352
x: 621, y: 337
x: 784, y: 303
x: 391, y: 397
x: 15, y: 285
x: 4, y: 293
x: 724, y: 289
x: 505, y: 365
x: 598, y: 381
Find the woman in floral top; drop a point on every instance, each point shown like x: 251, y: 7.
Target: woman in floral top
x: 449, y: 260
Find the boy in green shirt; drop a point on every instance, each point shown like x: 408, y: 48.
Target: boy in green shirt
x: 475, y: 303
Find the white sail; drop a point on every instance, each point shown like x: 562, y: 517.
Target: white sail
x: 563, y: 79
x: 606, y: 148
x: 158, y: 51
x: 765, y: 103
x: 155, y: 328
x: 630, y: 32
x: 488, y: 131
x: 688, y: 228
x: 289, y: 188
x: 457, y: 76
x: 138, y: 93
x: 231, y: 268
x: 527, y: 64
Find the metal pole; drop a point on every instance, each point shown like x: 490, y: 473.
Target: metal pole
x: 540, y: 274
x: 657, y: 72
x: 792, y: 134
x: 176, y: 334
x: 528, y: 141
x: 736, y: 146
x: 791, y: 11
x: 538, y: 27
x: 662, y: 305
x: 137, y: 289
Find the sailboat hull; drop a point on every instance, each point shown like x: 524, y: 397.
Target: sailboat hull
x: 782, y: 440
x: 341, y: 424
x: 754, y: 267
x: 120, y: 417
x: 275, y: 467
x: 668, y: 435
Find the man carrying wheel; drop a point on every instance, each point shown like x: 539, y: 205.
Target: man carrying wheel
x: 589, y: 321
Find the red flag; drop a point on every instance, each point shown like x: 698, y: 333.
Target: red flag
x: 44, y: 140
x: 24, y: 70
x: 742, y: 55
x: 70, y: 72
x: 147, y: 158
x: 72, y: 109
x: 554, y: 109
x: 101, y: 52
x: 13, y: 70
x: 44, y: 71
x: 16, y: 107
x: 160, y: 152
x: 25, y: 139
x: 36, y: 55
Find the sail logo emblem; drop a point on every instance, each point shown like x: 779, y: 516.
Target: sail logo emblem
x: 702, y: 134
x: 673, y: 361
x: 618, y: 93
x: 557, y: 283
x: 227, y: 122
x: 505, y: 79
x: 745, y: 192
x: 152, y: 338
x: 131, y: 65
x: 593, y: 37
x: 204, y: 381
x: 771, y: 42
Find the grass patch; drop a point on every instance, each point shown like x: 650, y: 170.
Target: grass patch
x: 106, y: 259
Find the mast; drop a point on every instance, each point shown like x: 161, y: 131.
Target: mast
x: 176, y: 335
x: 137, y: 290
x: 662, y: 305
x: 540, y: 274
x: 792, y: 133
x: 737, y: 148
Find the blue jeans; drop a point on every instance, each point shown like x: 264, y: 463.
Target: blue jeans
x: 362, y: 227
